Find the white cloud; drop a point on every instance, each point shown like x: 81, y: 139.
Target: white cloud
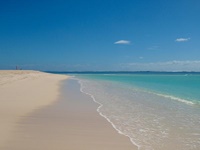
x: 141, y: 57
x: 123, y: 42
x: 182, y: 39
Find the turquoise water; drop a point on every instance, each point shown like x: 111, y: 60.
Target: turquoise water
x: 156, y: 111
x: 183, y: 86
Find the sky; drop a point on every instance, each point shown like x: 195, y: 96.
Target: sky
x: 100, y: 35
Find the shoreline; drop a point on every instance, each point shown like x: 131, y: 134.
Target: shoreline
x: 107, y: 119
x: 70, y: 121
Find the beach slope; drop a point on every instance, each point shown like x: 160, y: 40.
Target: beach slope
x: 39, y: 112
x: 22, y: 92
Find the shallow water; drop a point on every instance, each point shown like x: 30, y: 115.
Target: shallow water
x: 157, y: 112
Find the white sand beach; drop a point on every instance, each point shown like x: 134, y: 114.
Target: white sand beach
x: 22, y: 92
x: 42, y: 111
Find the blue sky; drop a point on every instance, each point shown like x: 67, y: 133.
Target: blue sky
x: 80, y: 35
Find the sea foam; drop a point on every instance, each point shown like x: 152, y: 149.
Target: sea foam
x: 147, y: 118
x: 98, y: 110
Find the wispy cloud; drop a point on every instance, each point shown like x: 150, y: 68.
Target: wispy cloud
x: 182, y: 39
x: 126, y: 42
x: 141, y: 57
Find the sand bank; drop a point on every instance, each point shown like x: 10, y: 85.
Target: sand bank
x: 21, y: 92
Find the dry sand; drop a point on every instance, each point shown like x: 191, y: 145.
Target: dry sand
x: 21, y: 92
x: 70, y: 123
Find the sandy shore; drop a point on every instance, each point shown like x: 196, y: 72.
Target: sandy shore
x: 21, y: 92
x: 37, y: 116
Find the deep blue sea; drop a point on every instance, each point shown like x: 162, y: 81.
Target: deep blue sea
x: 157, y: 111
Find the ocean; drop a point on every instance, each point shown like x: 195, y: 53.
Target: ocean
x: 157, y: 111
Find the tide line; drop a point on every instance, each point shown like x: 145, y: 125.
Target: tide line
x: 101, y: 114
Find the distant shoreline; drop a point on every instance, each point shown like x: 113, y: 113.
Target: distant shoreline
x: 123, y: 72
